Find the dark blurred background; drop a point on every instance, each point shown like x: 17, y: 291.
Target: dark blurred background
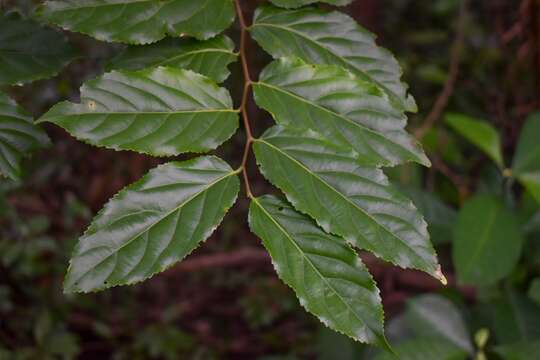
x: 225, y: 301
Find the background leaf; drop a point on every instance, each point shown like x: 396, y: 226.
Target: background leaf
x: 517, y: 319
x: 18, y: 136
x: 425, y: 349
x: 435, y: 316
x: 143, y: 21
x: 152, y: 224
x: 440, y: 217
x: 487, y: 241
x: 526, y: 165
x: 30, y: 52
x: 298, y: 3
x: 328, y: 183
x: 330, y: 37
x: 479, y: 133
x: 344, y: 108
x: 328, y: 277
x: 519, y: 351
x: 159, y: 111
x: 209, y: 58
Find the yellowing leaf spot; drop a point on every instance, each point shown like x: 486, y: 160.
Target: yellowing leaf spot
x: 91, y: 105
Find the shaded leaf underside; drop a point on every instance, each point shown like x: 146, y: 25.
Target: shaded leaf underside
x: 30, y: 52
x: 18, y: 137
x: 209, y: 58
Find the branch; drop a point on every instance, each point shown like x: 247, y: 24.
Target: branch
x: 453, y: 71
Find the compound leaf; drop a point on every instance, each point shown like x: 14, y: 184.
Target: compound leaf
x: 339, y: 105
x: 30, y: 52
x: 140, y: 21
x: 480, y: 133
x: 298, y: 3
x: 526, y: 165
x: 345, y: 198
x: 152, y: 224
x: 327, y: 275
x: 209, y: 58
x: 18, y: 136
x: 487, y: 241
x: 159, y: 111
x: 330, y: 37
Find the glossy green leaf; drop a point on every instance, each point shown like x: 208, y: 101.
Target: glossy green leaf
x: 152, y: 224
x: 339, y: 105
x: 330, y: 37
x: 327, y: 275
x: 30, y: 52
x: 424, y: 349
x: 517, y: 319
x: 487, y: 241
x: 479, y: 133
x: 140, y: 21
x: 159, y: 111
x: 298, y: 3
x: 435, y: 316
x: 18, y: 136
x: 440, y: 217
x: 358, y: 203
x: 209, y: 58
x: 526, y: 165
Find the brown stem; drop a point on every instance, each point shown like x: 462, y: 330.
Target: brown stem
x: 245, y: 96
x: 453, y: 71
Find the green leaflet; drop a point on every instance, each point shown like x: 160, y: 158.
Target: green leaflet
x: 209, y: 58
x: 330, y: 37
x: 480, y: 133
x: 487, y: 241
x: 18, y: 137
x: 159, y: 111
x: 152, y: 224
x: 140, y: 21
x: 30, y: 52
x: 526, y: 165
x: 328, y: 277
x: 328, y: 183
x: 344, y: 108
x: 298, y: 3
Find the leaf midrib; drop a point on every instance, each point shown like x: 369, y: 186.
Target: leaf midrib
x: 53, y: 118
x: 337, y: 192
x: 278, y: 225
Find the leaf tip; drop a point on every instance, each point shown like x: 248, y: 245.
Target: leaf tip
x: 440, y: 276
